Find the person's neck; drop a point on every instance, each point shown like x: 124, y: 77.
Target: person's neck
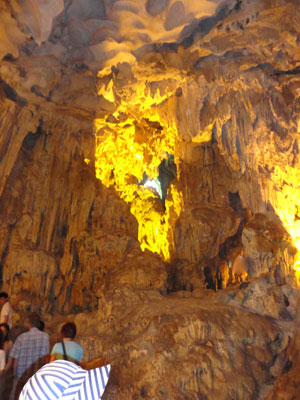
x: 66, y: 339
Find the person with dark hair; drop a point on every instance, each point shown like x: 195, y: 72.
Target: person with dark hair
x: 28, y: 354
x: 67, y: 349
x: 6, y: 310
x: 5, y: 329
x: 6, y: 382
x: 7, y: 345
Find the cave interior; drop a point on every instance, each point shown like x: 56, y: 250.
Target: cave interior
x: 150, y: 189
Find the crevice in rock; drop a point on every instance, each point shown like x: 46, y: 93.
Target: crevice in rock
x: 175, y: 279
x: 11, y: 94
x: 38, y: 240
x: 235, y: 240
x: 34, y: 89
x: 5, y: 253
x: 31, y: 139
x: 54, y: 294
x: 292, y: 71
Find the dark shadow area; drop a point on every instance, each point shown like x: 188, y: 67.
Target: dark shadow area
x: 11, y: 94
x: 235, y: 241
x: 210, y: 282
x: 167, y: 172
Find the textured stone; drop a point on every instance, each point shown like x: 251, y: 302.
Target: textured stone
x: 176, y: 16
x: 155, y: 7
x: 78, y: 33
x: 83, y: 9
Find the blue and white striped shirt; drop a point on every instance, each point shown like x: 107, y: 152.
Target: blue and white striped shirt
x: 64, y: 380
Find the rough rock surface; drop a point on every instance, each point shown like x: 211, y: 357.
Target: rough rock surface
x: 93, y: 94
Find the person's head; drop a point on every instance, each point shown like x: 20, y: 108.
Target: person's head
x: 68, y: 330
x: 3, y: 297
x: 5, y: 329
x: 34, y: 320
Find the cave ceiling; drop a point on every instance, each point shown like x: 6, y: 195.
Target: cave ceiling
x: 96, y: 98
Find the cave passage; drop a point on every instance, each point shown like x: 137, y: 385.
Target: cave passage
x: 167, y: 172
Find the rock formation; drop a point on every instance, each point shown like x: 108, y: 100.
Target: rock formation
x: 94, y: 96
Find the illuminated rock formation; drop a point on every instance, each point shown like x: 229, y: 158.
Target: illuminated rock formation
x: 97, y: 95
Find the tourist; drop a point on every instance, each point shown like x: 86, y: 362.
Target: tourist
x: 63, y: 379
x: 7, y: 377
x: 6, y: 310
x: 67, y: 349
x: 8, y: 343
x: 28, y: 354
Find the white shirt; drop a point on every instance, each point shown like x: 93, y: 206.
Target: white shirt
x: 6, y: 310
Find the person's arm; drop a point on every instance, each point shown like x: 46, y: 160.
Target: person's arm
x: 80, y: 357
x: 2, y: 361
x: 13, y: 358
x: 97, y: 363
x: 52, y: 358
x: 15, y: 364
x: 9, y: 363
x: 54, y: 351
x: 5, y: 319
x: 12, y: 362
x: 7, y: 347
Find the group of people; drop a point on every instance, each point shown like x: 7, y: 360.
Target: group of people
x: 22, y: 357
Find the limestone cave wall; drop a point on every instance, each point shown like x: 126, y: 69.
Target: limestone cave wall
x: 94, y: 96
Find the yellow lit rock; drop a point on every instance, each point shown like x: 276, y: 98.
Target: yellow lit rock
x: 204, y: 136
x: 107, y: 91
x: 135, y: 142
x: 286, y: 203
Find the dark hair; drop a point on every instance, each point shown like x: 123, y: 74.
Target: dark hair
x: 41, y: 325
x: 4, y: 294
x: 68, y: 330
x: 5, y: 325
x: 34, y: 319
